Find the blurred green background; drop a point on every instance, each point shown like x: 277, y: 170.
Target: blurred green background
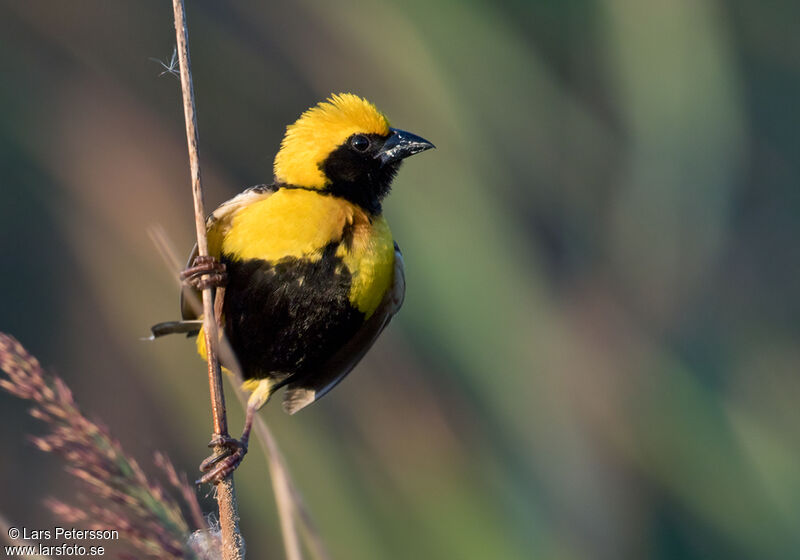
x: 598, y: 355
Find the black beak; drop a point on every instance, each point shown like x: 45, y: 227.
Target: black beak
x: 401, y: 144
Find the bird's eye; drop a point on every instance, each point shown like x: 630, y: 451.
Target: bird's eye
x: 360, y: 142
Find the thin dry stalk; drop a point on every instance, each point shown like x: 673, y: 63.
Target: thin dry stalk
x: 280, y: 484
x: 287, y: 495
x: 232, y: 541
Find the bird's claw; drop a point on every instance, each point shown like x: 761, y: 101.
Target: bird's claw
x: 205, y: 272
x: 221, y: 464
x: 226, y: 441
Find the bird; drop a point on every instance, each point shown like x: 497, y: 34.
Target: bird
x: 306, y: 267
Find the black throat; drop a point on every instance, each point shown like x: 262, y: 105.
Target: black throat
x: 359, y: 177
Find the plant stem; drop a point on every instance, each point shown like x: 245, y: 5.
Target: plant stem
x: 232, y: 541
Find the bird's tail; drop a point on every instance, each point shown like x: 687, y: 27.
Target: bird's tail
x: 190, y: 328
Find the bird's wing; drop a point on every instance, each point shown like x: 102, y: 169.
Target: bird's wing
x: 302, y: 393
x: 217, y: 226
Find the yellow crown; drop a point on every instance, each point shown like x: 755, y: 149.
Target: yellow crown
x: 318, y: 132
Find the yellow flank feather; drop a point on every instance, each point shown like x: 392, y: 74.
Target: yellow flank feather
x: 251, y: 384
x: 318, y: 132
x: 215, y: 236
x: 371, y: 263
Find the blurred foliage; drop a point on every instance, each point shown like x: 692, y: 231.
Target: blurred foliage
x: 598, y: 353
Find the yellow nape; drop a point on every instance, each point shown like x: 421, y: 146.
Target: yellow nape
x: 318, y: 132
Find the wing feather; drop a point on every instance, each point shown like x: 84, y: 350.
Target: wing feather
x: 301, y: 394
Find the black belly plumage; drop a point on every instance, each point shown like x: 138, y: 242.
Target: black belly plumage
x: 283, y: 319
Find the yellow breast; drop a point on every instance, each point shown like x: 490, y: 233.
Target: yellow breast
x: 300, y: 223
x: 290, y: 223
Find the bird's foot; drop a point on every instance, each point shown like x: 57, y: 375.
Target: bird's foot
x: 222, y: 463
x: 205, y: 272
